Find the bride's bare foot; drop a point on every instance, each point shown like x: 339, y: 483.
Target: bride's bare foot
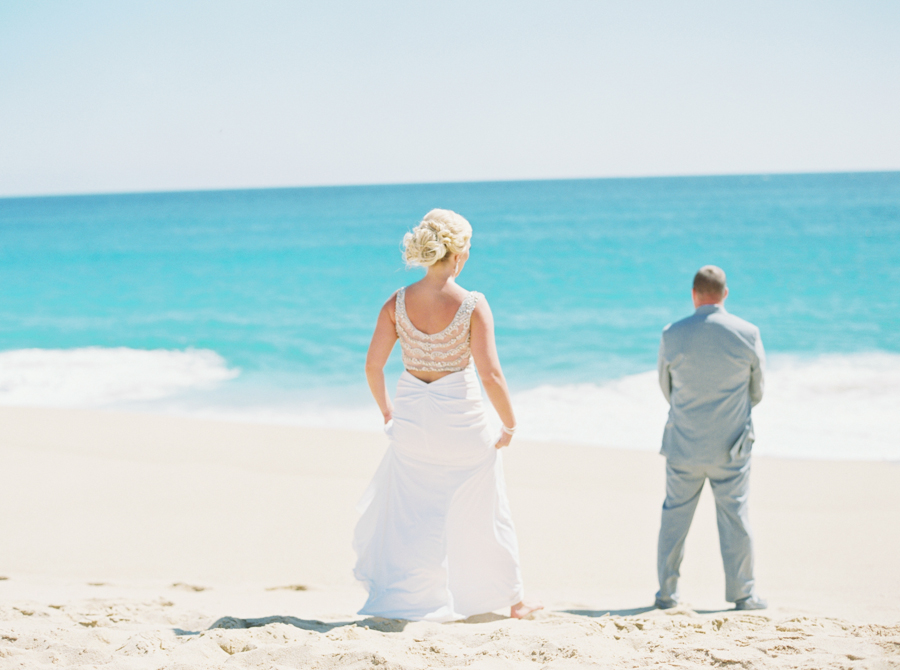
x: 522, y: 609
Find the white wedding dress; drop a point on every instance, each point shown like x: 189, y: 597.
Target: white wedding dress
x: 436, y: 541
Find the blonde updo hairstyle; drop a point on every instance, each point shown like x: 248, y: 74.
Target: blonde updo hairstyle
x: 438, y: 236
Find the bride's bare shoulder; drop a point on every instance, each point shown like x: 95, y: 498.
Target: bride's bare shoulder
x: 482, y: 310
x: 390, y: 305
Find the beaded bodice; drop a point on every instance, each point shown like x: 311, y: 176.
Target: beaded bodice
x: 446, y: 351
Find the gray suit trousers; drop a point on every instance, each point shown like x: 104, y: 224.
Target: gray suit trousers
x: 730, y: 484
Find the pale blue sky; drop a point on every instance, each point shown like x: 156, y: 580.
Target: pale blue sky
x: 164, y: 95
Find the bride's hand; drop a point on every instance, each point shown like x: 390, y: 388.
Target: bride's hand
x: 505, y: 439
x: 388, y: 416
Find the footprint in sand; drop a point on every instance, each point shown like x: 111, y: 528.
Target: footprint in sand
x: 188, y: 587
x: 291, y: 587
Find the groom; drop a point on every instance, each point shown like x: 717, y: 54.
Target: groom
x: 711, y: 372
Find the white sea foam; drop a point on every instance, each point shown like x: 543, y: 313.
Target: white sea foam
x: 831, y: 407
x: 628, y: 413
x: 98, y: 376
x: 834, y: 407
x: 837, y: 406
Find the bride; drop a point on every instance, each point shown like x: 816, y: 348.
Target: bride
x: 436, y: 540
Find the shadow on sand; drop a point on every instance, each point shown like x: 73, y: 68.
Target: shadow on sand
x: 373, y: 623
x: 641, y: 610
x: 599, y: 613
x: 397, y: 625
x: 231, y: 622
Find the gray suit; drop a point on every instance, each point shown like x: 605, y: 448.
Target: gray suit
x: 711, y: 372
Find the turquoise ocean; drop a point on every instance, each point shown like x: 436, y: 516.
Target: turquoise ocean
x: 258, y: 305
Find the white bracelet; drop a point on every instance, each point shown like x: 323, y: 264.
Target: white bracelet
x: 508, y: 431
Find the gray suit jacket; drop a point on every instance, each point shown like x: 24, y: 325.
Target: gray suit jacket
x: 711, y: 371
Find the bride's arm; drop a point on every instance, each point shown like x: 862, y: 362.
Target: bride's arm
x: 379, y: 350
x: 484, y: 353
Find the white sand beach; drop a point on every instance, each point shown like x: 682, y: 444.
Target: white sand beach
x: 147, y: 541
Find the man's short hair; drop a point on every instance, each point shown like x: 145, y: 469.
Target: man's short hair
x: 710, y: 281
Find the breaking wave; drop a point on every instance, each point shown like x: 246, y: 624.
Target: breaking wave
x: 100, y: 376
x: 832, y: 406
x: 840, y: 406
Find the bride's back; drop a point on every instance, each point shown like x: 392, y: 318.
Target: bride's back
x: 434, y: 329
x: 432, y: 311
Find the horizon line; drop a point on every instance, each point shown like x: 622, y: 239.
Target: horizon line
x: 75, y: 194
